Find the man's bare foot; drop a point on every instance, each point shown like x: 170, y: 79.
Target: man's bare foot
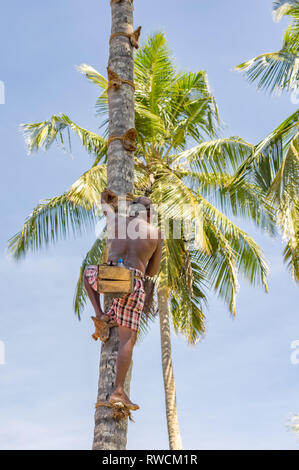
x: 102, y: 317
x: 123, y: 399
x: 102, y: 330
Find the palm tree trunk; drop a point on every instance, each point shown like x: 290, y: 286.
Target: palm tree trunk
x: 175, y: 442
x: 110, y: 434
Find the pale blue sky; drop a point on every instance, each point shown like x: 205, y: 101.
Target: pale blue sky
x: 235, y: 389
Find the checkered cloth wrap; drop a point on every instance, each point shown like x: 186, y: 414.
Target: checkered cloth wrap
x: 127, y: 310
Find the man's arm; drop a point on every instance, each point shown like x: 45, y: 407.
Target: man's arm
x: 153, y: 265
x: 108, y: 201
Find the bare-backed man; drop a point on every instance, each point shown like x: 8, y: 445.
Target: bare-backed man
x: 138, y: 243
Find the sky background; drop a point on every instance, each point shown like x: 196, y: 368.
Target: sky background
x: 237, y: 388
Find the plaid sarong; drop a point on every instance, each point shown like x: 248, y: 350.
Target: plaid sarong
x: 127, y: 310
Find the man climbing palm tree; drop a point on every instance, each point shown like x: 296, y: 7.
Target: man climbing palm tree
x: 137, y: 243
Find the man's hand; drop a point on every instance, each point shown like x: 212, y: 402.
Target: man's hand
x: 109, y: 197
x: 109, y: 201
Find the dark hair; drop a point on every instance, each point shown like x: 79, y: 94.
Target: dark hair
x: 145, y: 201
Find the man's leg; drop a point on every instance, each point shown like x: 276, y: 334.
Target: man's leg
x: 127, y: 340
x: 95, y: 300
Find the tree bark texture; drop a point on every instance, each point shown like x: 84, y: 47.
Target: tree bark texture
x: 110, y: 434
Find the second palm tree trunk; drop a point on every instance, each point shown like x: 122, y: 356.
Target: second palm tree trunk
x: 110, y: 434
x: 175, y: 442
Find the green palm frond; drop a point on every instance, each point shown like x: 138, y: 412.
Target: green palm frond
x: 278, y: 71
x: 188, y: 299
x: 291, y: 251
x: 291, y: 37
x: 227, y: 248
x: 181, y: 103
x: 42, y: 135
x: 178, y: 202
x: 275, y: 168
x: 102, y: 102
x: 73, y: 212
x: 239, y: 198
x: 219, y: 155
x: 275, y: 71
x: 185, y: 281
x: 154, y: 72
x: 285, y: 7
x: 274, y: 165
x: 232, y: 250
x: 268, y: 155
x: 191, y: 111
x: 87, y: 189
x: 93, y: 75
x: 222, y: 272
x: 146, y: 124
x: 286, y: 180
x: 50, y: 221
x: 102, y: 110
x: 211, y: 230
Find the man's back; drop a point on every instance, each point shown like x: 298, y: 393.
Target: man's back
x: 137, y: 242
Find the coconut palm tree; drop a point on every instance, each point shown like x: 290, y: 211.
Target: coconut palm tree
x: 109, y: 433
x: 188, y: 171
x: 275, y: 164
x: 278, y: 71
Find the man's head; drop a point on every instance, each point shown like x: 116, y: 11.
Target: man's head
x: 141, y: 205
